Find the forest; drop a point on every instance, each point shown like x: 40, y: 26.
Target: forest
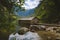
x: 48, y: 11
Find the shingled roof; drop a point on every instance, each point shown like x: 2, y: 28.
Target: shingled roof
x: 26, y: 18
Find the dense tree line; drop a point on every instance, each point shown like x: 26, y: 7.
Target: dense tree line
x: 49, y: 11
x: 7, y: 16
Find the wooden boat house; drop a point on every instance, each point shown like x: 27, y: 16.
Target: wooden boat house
x: 27, y: 21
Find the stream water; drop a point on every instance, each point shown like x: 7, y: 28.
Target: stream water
x: 28, y: 36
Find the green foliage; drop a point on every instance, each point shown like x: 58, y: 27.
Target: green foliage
x: 48, y: 11
x: 7, y: 17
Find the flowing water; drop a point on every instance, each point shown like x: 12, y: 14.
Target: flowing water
x: 28, y: 36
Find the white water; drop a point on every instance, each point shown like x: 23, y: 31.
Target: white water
x: 28, y: 36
